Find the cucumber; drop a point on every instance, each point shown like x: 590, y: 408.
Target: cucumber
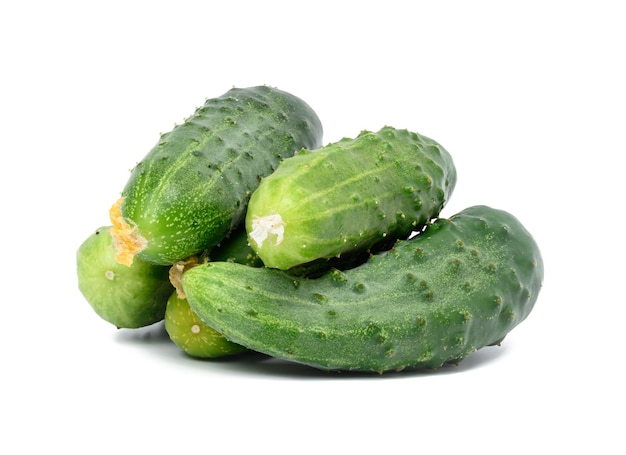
x: 193, y: 187
x: 349, y: 196
x: 190, y: 334
x: 461, y: 284
x: 182, y: 325
x: 127, y: 297
x: 235, y: 248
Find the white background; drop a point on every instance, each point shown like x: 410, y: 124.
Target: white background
x: 529, y: 98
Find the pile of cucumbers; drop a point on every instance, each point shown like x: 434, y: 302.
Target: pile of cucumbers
x: 242, y: 232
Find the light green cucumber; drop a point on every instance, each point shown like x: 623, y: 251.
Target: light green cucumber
x: 460, y: 285
x: 349, y: 196
x: 127, y: 297
x: 193, y: 187
x: 190, y: 334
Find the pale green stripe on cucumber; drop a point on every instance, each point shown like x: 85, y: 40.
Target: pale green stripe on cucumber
x: 349, y: 196
x: 193, y: 187
x: 461, y: 284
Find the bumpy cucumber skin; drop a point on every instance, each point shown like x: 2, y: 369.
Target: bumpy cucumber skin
x: 193, y: 187
x: 127, y: 297
x: 190, y: 334
x: 460, y: 285
x: 351, y: 195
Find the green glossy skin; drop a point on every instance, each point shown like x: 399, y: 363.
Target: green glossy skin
x: 460, y: 285
x: 193, y: 187
x: 127, y: 297
x: 351, y: 196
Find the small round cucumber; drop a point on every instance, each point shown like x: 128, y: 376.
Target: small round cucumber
x: 192, y: 335
x: 127, y: 297
x: 349, y: 196
x: 182, y: 324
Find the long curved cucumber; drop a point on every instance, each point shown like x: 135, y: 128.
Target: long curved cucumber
x: 193, y: 187
x: 349, y: 196
x: 461, y: 284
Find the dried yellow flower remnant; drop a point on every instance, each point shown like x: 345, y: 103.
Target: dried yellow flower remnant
x: 176, y: 274
x: 264, y: 226
x: 126, y: 238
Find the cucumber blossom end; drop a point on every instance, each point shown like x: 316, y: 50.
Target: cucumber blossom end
x: 127, y: 296
x: 127, y: 240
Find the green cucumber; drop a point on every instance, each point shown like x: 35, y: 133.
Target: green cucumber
x: 183, y: 326
x: 190, y: 334
x: 193, y: 187
x: 461, y: 284
x: 127, y: 297
x: 235, y: 248
x: 349, y: 196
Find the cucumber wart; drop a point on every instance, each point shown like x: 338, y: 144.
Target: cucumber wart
x: 193, y: 187
x: 461, y: 284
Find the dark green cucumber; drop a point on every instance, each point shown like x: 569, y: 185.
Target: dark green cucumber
x: 127, y: 297
x: 193, y: 187
x: 349, y: 196
x: 461, y: 284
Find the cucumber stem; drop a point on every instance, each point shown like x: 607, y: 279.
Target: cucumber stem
x: 126, y: 237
